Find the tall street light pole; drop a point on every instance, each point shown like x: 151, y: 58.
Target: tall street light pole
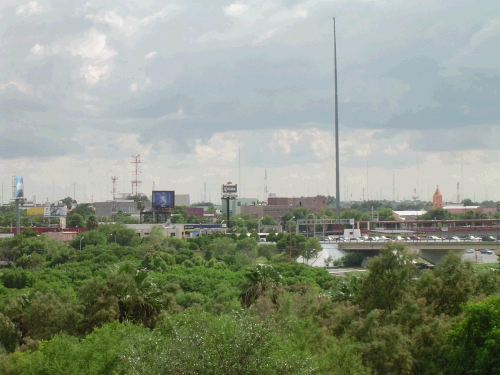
x: 337, y: 154
x: 290, y: 232
x: 81, y: 243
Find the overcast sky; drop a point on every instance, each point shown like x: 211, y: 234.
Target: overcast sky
x: 187, y: 84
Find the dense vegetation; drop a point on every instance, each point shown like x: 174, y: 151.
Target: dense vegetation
x: 225, y: 305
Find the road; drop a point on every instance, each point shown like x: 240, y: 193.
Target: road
x: 481, y: 258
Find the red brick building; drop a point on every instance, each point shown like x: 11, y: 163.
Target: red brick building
x: 278, y: 206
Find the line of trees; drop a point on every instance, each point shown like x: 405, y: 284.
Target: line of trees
x: 225, y: 304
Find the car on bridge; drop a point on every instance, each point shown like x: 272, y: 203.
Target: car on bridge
x: 488, y: 239
x: 342, y: 239
x: 359, y: 239
x: 452, y: 239
x: 433, y: 238
x: 470, y: 237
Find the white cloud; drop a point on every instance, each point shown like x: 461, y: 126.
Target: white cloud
x: 322, y: 143
x: 94, y: 73
x: 390, y: 151
x: 28, y: 9
x: 93, y: 49
x: 129, y: 25
x: 179, y: 115
x: 263, y: 36
x: 37, y: 49
x: 20, y: 86
x: 140, y: 86
x: 150, y: 55
x: 235, y: 10
x: 220, y: 148
x: 86, y: 97
x: 92, y: 46
x: 402, y: 146
x: 284, y: 139
x: 492, y: 28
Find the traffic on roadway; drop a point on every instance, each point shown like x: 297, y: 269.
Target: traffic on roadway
x: 467, y: 238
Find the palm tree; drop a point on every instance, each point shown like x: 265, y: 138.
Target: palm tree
x: 260, y: 279
x: 140, y: 205
x: 140, y: 299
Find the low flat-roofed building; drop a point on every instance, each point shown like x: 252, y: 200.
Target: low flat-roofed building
x: 62, y: 236
x: 408, y: 215
x: 178, y: 230
x: 110, y: 208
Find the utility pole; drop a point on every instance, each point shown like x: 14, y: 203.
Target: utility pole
x: 337, y: 153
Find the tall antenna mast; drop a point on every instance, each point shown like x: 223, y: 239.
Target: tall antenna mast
x: 367, y: 197
x: 393, y: 186
x: 239, y: 171
x: 205, y: 192
x: 135, y: 174
x: 265, y: 184
x: 337, y: 153
x: 458, y: 192
x: 415, y: 197
x: 113, y: 182
x: 462, y: 163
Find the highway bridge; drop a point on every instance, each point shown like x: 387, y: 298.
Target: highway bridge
x: 431, y: 251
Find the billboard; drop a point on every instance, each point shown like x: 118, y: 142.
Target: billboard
x: 35, y: 211
x: 19, y: 187
x: 163, y: 200
x: 55, y: 211
x: 230, y: 188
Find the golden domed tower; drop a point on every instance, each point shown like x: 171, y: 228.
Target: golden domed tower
x: 437, y: 199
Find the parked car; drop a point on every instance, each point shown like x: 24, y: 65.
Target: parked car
x: 452, y: 238
x: 397, y: 238
x: 469, y: 251
x: 383, y: 238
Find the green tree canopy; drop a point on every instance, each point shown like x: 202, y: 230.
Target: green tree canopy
x: 75, y: 220
x: 389, y: 275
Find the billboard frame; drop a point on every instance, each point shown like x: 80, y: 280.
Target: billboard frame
x: 53, y: 211
x: 163, y: 208
x: 17, y: 187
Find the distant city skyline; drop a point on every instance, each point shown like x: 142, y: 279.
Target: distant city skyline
x: 189, y: 87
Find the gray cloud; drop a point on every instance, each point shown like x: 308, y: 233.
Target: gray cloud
x: 392, y: 74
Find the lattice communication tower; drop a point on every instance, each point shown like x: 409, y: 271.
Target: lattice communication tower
x: 137, y: 171
x: 113, y: 181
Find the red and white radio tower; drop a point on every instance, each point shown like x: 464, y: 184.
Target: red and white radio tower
x: 135, y: 174
x: 113, y: 181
